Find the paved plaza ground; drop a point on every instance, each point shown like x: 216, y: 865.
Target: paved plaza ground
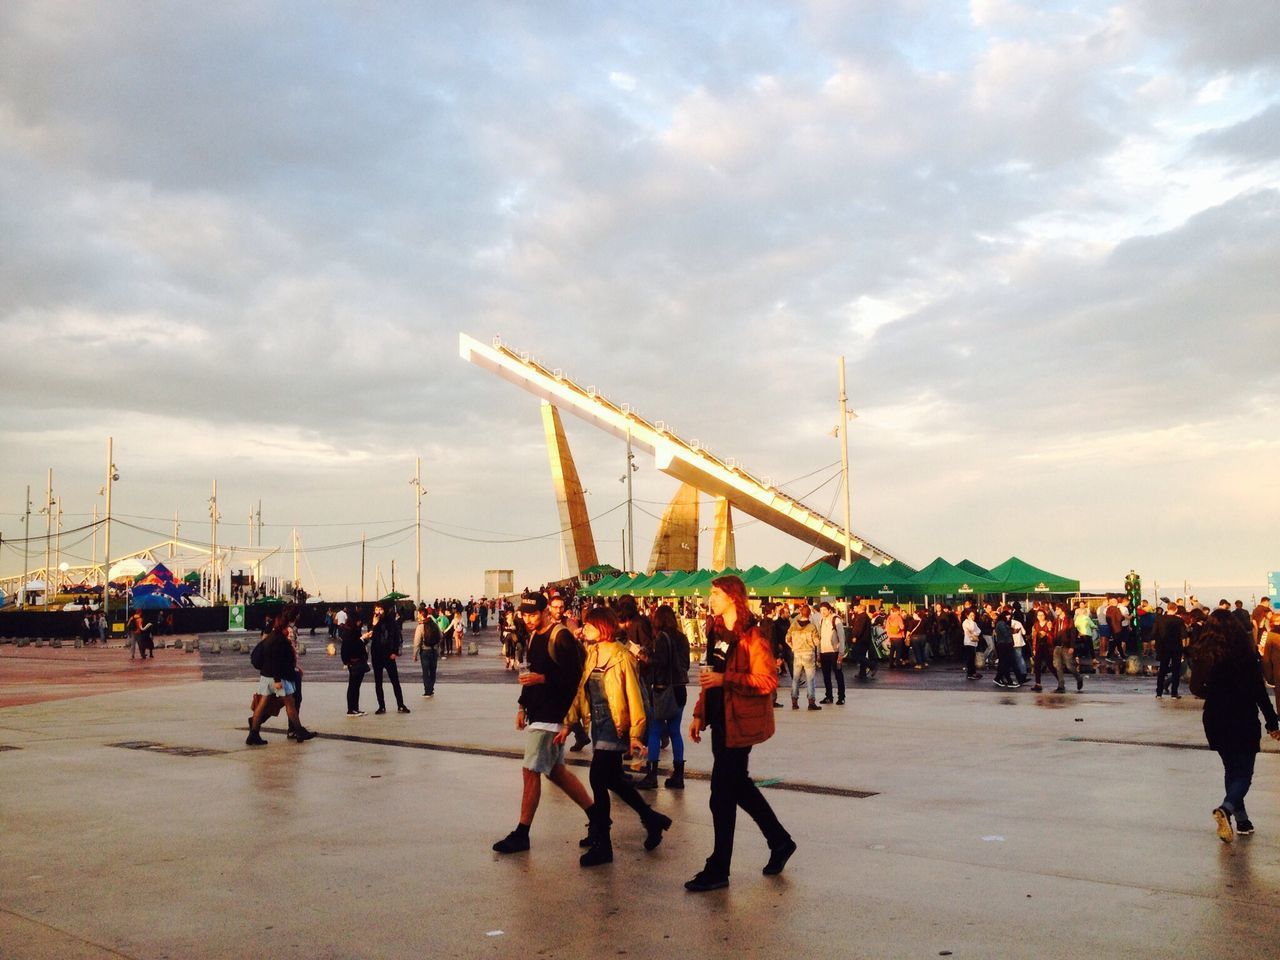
x: 934, y: 818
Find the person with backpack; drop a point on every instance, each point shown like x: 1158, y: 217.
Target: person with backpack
x: 1227, y: 672
x: 547, y: 690
x: 385, y: 640
x: 273, y: 658
x: 426, y: 642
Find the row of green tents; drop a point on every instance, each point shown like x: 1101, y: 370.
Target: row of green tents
x: 863, y: 578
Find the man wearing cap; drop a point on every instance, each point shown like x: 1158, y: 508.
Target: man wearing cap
x: 547, y: 690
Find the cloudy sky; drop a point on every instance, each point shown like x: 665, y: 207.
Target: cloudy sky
x: 242, y: 238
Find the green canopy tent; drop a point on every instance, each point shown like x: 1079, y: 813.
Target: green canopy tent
x: 941, y: 578
x: 763, y: 587
x: 819, y: 580
x: 975, y: 568
x: 754, y: 574
x: 1018, y: 576
x: 607, y: 585
x: 881, y: 582
x: 697, y: 584
x: 601, y: 570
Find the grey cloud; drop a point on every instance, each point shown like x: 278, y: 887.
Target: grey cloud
x: 1252, y: 141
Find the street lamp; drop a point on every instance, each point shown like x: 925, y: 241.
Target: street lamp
x: 112, y: 476
x: 421, y: 492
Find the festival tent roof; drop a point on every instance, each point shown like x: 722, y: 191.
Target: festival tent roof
x: 869, y: 580
x: 754, y: 574
x: 696, y: 584
x: 821, y: 579
x: 602, y: 569
x: 974, y: 568
x: 942, y: 577
x: 648, y: 586
x: 1018, y: 576
x: 152, y: 601
x: 764, y: 585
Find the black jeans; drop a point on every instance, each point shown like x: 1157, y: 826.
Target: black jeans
x: 862, y: 657
x: 355, y: 677
x: 970, y: 661
x: 394, y: 675
x: 1044, y: 661
x: 1006, y: 664
x: 831, y: 661
x: 430, y: 657
x: 1237, y: 770
x: 732, y: 787
x: 606, y: 775
x: 1171, y: 667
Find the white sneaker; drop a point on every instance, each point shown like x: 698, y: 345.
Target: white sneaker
x: 355, y: 713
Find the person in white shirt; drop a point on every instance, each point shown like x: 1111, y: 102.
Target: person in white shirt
x: 831, y: 650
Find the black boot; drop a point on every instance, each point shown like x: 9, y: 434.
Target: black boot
x: 589, y: 839
x: 254, y: 739
x: 655, y: 824
x: 650, y: 781
x: 601, y: 849
x: 676, y: 780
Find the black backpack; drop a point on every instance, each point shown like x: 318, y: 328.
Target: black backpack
x: 259, y: 656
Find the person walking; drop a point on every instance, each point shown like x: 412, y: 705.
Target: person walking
x: 860, y: 631
x: 355, y: 657
x: 1005, y: 665
x: 1227, y: 672
x: 273, y: 685
x: 737, y: 687
x: 972, y: 634
x: 547, y: 691
x: 385, y: 640
x: 1042, y: 657
x: 1271, y: 653
x: 670, y: 670
x: 1170, y: 634
x: 804, y: 641
x: 609, y: 702
x: 426, y: 645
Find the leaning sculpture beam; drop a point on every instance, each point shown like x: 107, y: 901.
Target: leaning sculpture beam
x: 684, y: 460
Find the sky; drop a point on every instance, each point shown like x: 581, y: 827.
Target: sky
x: 241, y: 239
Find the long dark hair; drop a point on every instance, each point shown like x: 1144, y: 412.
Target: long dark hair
x: 664, y: 619
x: 1222, y: 638
x: 736, y: 590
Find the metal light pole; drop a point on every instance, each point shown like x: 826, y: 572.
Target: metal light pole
x: 112, y: 476
x: 631, y: 518
x: 26, y: 546
x: 215, y: 580
x: 362, y: 566
x: 419, y: 493
x: 843, y: 428
x: 48, y: 535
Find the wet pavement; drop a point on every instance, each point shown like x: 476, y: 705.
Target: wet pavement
x: 966, y: 821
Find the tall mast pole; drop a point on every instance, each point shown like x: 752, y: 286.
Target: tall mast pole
x: 106, y: 554
x: 362, y: 566
x: 844, y: 464
x: 214, y: 580
x: 93, y: 557
x: 48, y: 535
x: 631, y: 518
x: 295, y: 562
x: 57, y: 548
x: 26, y: 547
x: 417, y: 526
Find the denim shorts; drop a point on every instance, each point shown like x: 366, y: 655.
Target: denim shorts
x: 541, y: 753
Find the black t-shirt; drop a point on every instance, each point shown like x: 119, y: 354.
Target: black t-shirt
x: 720, y: 643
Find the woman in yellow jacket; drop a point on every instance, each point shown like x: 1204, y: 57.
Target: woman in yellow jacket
x: 609, y: 703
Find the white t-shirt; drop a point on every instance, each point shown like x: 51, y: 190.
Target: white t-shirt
x: 1019, y: 633
x: 340, y: 618
x: 971, y: 633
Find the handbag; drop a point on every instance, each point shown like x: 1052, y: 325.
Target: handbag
x: 666, y: 704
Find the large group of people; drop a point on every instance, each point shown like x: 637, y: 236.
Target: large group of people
x: 613, y: 674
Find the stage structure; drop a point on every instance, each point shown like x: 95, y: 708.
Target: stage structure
x: 685, y: 460
x: 575, y: 523
x: 676, y: 545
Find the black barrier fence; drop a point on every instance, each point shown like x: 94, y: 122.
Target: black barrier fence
x: 69, y: 624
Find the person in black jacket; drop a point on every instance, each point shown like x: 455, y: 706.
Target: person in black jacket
x: 860, y: 641
x: 277, y: 664
x: 1169, y: 633
x: 385, y: 638
x: 355, y: 657
x: 1227, y: 671
x: 546, y: 692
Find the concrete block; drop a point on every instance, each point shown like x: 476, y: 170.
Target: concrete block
x: 56, y: 642
x: 215, y: 647
x: 24, y: 641
x: 188, y: 646
x: 302, y: 649
x: 38, y: 642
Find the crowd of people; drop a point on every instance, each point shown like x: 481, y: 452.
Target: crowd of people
x: 613, y: 674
